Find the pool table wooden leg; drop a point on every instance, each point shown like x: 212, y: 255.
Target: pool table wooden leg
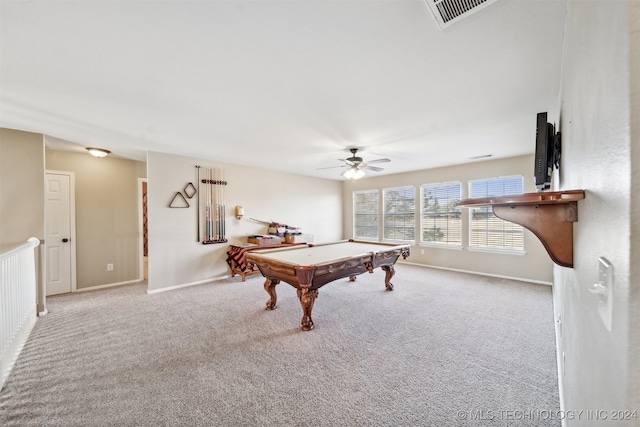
x: 307, y: 298
x: 390, y: 271
x: 270, y: 287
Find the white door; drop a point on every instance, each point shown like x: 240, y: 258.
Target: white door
x: 58, y: 233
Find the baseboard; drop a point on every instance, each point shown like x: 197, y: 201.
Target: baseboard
x: 559, y: 362
x: 498, y: 276
x: 108, y: 285
x: 185, y: 285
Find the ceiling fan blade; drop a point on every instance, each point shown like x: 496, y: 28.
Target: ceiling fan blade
x: 371, y: 168
x: 378, y: 161
x: 332, y: 167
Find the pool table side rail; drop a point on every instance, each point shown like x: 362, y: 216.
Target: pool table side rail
x: 322, y: 273
x: 322, y: 254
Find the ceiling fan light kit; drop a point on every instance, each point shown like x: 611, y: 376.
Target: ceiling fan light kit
x: 353, y: 173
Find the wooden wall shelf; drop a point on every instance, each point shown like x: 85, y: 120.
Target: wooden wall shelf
x: 549, y: 215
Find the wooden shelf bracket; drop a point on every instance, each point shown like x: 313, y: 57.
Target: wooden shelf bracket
x: 548, y: 215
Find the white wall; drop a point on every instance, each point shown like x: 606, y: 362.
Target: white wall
x: 600, y: 370
x: 535, y: 265
x: 634, y: 254
x: 175, y: 256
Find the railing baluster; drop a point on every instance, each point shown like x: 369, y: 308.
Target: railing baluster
x: 17, y: 302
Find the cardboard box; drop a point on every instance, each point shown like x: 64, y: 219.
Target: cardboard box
x: 298, y: 238
x: 264, y: 240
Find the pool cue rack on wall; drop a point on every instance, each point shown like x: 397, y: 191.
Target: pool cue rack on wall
x: 214, y: 206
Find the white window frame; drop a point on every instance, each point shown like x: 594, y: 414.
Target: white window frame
x: 386, y: 216
x: 451, y: 227
x: 507, y: 226
x: 356, y: 213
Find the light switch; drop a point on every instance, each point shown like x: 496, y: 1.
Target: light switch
x: 604, y: 290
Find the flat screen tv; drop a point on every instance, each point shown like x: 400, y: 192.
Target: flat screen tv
x: 547, y: 152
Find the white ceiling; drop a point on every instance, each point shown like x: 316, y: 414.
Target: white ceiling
x: 287, y: 85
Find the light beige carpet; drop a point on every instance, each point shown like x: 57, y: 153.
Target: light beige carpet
x: 443, y: 348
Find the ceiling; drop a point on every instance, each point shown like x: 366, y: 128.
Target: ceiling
x: 285, y: 85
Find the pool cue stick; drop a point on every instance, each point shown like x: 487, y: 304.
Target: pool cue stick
x: 224, y: 223
x: 214, y: 195
x: 198, y: 206
x: 218, y: 221
x: 207, y: 207
x: 219, y: 237
x: 211, y: 201
x: 222, y: 218
x: 217, y: 205
x: 206, y: 200
x: 216, y: 218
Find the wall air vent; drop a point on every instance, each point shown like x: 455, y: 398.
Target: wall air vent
x: 448, y: 12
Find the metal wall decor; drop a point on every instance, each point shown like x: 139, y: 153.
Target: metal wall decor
x: 179, y: 201
x: 189, y: 190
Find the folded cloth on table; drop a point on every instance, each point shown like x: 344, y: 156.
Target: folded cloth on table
x: 235, y: 255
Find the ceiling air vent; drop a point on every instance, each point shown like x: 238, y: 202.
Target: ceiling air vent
x: 448, y: 12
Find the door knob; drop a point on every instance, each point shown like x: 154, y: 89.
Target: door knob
x: 65, y: 240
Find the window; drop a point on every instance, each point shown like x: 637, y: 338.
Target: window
x: 399, y: 213
x: 366, y: 206
x: 487, y: 230
x: 441, y: 220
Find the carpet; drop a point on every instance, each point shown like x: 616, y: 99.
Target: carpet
x: 444, y: 348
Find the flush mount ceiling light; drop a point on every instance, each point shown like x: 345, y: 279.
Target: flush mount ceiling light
x: 98, y: 152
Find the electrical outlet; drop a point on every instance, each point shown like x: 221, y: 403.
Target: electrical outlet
x: 109, y: 267
x: 421, y: 251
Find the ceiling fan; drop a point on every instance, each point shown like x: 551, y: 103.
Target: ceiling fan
x: 356, y: 166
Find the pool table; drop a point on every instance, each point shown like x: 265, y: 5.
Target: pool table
x: 309, y: 267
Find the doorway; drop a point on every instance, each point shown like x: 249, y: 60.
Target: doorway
x: 143, y: 228
x: 60, y: 245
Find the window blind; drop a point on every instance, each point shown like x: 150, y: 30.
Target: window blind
x: 399, y: 213
x: 366, y: 206
x: 441, y: 219
x: 487, y: 230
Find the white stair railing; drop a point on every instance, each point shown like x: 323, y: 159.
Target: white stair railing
x: 17, y: 302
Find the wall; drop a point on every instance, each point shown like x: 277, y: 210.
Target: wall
x: 21, y: 186
x: 107, y: 216
x: 534, y: 266
x: 600, y: 370
x: 176, y: 257
x: 634, y: 236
